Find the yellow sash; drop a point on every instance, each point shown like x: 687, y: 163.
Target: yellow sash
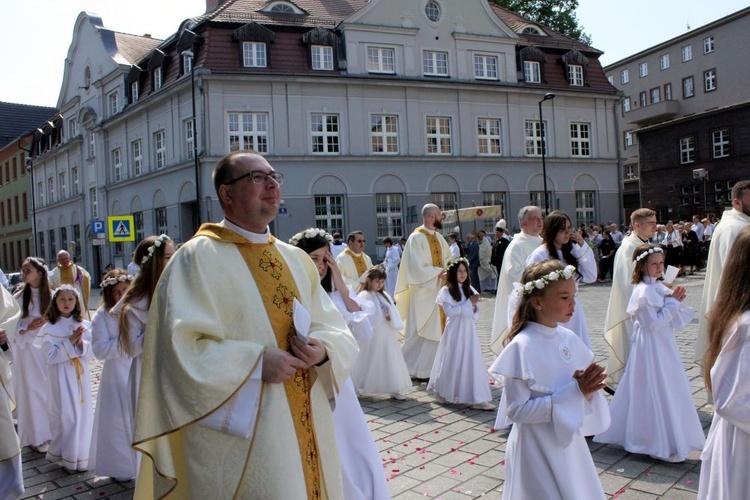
x: 278, y: 289
x: 359, y: 262
x: 437, y: 260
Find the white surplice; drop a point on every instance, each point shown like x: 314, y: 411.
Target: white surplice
x: 618, y: 326
x: 459, y: 374
x: 30, y: 378
x: 380, y: 367
x: 391, y: 261
x: 546, y: 456
x: 111, y: 453
x: 70, y: 405
x: 514, y: 262
x: 726, y: 456
x: 722, y: 239
x: 653, y: 411
x: 587, y: 271
x: 11, y: 476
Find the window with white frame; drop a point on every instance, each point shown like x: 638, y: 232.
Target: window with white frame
x: 488, y: 136
x: 114, y: 104
x: 532, y: 132
x: 92, y: 144
x: 384, y: 134
x: 687, y: 53
x: 329, y: 213
x: 162, y: 224
x: 688, y: 87
x: 655, y: 95
x: 77, y: 237
x: 432, y: 11
x: 254, y: 54
x: 187, y: 64
x: 668, y: 91
x: 50, y: 190
x: 709, y: 80
x: 532, y: 72
x: 628, y: 139
x: 687, y: 149
x: 72, y: 128
x: 435, y: 63
x: 94, y: 203
x: 720, y: 143
x: 585, y: 208
x: 75, y: 181
x: 708, y: 44
x: 324, y: 129
x: 136, y: 150
x: 52, y: 242
x: 664, y: 61
x: 117, y: 164
x: 438, y: 131
x: 492, y: 198
x: 580, y: 139
x: 40, y: 192
x: 381, y: 60
x: 624, y: 76
x: 536, y: 198
x: 389, y: 215
x: 138, y: 223
x: 248, y: 131
x: 575, y: 75
x: 61, y: 184
x: 322, y: 57
x: 631, y: 172
x: 643, y: 99
x: 157, y: 78
x: 160, y: 149
x: 189, y: 136
x: 445, y: 201
x: 643, y: 69
x: 134, y: 91
x: 485, y: 67
x: 626, y: 104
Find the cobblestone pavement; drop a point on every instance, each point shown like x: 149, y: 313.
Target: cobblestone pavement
x: 451, y: 451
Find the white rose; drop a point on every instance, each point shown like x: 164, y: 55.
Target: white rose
x: 528, y: 286
x: 553, y: 276
x: 568, y: 272
x: 539, y: 283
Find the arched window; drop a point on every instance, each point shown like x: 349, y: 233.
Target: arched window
x: 283, y: 8
x: 530, y: 30
x: 87, y: 78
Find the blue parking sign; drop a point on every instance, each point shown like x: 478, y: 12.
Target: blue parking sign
x: 97, y: 226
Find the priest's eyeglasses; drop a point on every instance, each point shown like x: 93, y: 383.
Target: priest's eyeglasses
x: 259, y: 177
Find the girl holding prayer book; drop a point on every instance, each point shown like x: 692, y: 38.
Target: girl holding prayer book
x: 726, y: 369
x: 66, y: 343
x: 653, y: 411
x: 551, y: 392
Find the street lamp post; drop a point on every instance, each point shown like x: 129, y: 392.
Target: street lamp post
x: 547, y: 97
x: 190, y: 55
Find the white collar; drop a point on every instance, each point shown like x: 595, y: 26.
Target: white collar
x: 248, y: 235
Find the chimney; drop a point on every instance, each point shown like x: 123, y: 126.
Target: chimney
x: 213, y: 4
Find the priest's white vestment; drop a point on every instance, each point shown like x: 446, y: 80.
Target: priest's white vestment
x: 348, y: 268
x: 11, y: 478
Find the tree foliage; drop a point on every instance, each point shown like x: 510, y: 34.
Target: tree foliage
x: 558, y: 15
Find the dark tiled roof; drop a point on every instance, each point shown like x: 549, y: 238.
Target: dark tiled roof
x: 18, y: 119
x: 330, y: 12
x: 553, y: 40
x: 134, y: 47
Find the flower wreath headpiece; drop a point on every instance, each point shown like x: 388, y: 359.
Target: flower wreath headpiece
x: 160, y: 240
x: 457, y: 260
x: 116, y: 279
x: 539, y: 283
x: 39, y: 262
x: 310, y: 233
x: 65, y: 288
x: 646, y: 253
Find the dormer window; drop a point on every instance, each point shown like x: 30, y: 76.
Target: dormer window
x: 530, y: 30
x: 576, y: 68
x: 254, y: 40
x: 532, y: 59
x: 253, y: 54
x: 157, y: 78
x: 283, y: 8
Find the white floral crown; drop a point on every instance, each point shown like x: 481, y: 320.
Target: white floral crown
x: 38, y: 262
x: 116, y: 279
x: 455, y: 261
x: 65, y: 288
x: 646, y: 253
x: 539, y: 283
x: 162, y: 238
x: 310, y: 233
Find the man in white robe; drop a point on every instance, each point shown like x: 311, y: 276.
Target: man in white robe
x: 420, y: 278
x: 722, y: 238
x: 233, y: 403
x: 68, y: 273
x: 514, y: 262
x: 618, y: 327
x: 486, y: 271
x: 353, y: 262
x: 11, y: 477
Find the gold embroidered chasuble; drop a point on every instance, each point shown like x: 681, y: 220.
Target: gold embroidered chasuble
x: 219, y: 303
x: 417, y: 285
x: 359, y: 261
x: 352, y: 266
x: 10, y: 313
x: 83, y: 285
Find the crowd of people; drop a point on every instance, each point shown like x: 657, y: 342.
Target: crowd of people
x: 231, y: 364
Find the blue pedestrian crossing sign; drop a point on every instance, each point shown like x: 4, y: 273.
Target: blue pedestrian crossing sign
x: 121, y: 228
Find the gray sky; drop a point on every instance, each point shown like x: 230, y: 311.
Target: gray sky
x: 36, y: 34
